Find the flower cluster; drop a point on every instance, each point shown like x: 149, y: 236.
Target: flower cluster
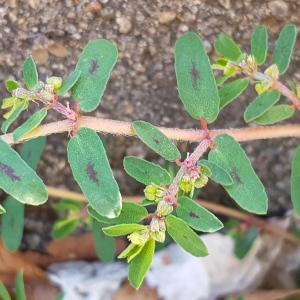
x: 42, y: 91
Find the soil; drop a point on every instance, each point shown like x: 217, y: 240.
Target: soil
x: 143, y: 83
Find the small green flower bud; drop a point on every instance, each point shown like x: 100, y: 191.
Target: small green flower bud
x: 55, y: 81
x: 272, y: 71
x: 186, y: 186
x: 185, y: 178
x: 135, y: 238
x: 158, y: 236
x: 201, y: 182
x: 164, y: 208
x: 150, y: 192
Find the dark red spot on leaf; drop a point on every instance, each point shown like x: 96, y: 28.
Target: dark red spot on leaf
x: 91, y: 172
x: 195, y: 75
x: 94, y: 67
x: 193, y: 215
x: 236, y: 177
x: 156, y: 141
x: 7, y: 170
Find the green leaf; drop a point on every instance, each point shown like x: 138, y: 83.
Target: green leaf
x: 146, y: 172
x: 247, y: 190
x: 2, y: 210
x: 231, y: 91
x: 146, y: 202
x: 293, y: 87
x: 104, y: 244
x: 13, y: 116
x: 130, y: 213
x: 259, y: 44
x: 122, y: 229
x: 185, y: 237
x: 18, y: 179
x: 140, y: 264
x: 131, y: 251
x: 222, y: 79
x: 11, y: 85
x: 156, y: 140
x: 13, y: 220
x: 3, y: 292
x: 196, y: 216
x: 244, y: 242
x: 228, y: 48
x: 60, y: 296
x: 32, y: 151
x: 195, y: 80
x: 261, y: 104
x: 30, y: 73
x: 67, y: 204
x: 275, y: 114
x: 69, y: 83
x: 284, y: 48
x: 95, y: 63
x: 295, y: 179
x: 19, y: 286
x: 12, y: 224
x: 92, y: 172
x: 64, y: 227
x: 33, y: 122
x: 219, y: 175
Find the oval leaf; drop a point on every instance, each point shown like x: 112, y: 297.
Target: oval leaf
x: 104, y: 244
x: 156, y: 140
x: 219, y: 175
x: 3, y: 292
x: 275, y: 114
x: 11, y: 85
x: 231, y: 91
x: 18, y: 179
x: 33, y: 122
x: 69, y: 83
x: 284, y: 48
x: 244, y: 242
x: 140, y: 264
x: 12, y: 224
x: 64, y: 227
x: 228, y: 48
x: 295, y: 180
x: 259, y: 44
x: 13, y: 116
x: 19, y: 286
x: 185, y: 237
x: 195, y: 80
x: 261, y: 104
x: 92, y: 172
x: 68, y: 204
x: 122, y: 229
x: 196, y: 216
x: 30, y: 73
x: 95, y: 63
x: 130, y: 213
x: 247, y: 190
x: 146, y: 172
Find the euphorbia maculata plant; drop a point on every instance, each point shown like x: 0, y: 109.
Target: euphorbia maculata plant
x: 176, y: 211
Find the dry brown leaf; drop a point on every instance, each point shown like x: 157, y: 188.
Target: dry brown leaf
x: 69, y: 249
x: 40, y: 55
x: 127, y: 292
x: 12, y: 262
x: 58, y: 50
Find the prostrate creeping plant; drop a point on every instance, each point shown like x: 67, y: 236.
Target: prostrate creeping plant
x: 203, y: 97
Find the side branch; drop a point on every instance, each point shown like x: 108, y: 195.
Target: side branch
x: 188, y: 135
